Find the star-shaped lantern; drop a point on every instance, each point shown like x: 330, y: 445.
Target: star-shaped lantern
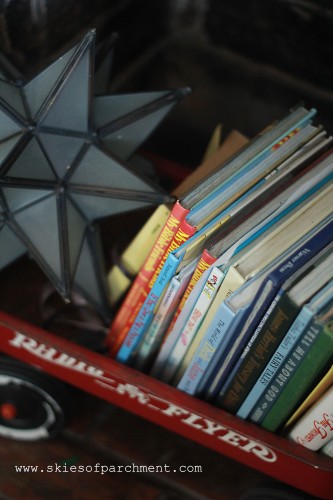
x: 62, y: 167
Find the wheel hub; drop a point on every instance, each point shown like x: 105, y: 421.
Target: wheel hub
x: 8, y: 411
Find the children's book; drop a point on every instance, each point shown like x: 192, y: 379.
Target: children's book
x: 270, y: 331
x: 319, y: 389
x: 275, y: 244
x: 315, y: 428
x: 153, y: 337
x: 314, y: 306
x: 169, y: 226
x: 191, y: 248
x: 227, y: 366
x: 291, y: 198
x: 310, y: 359
x: 327, y: 449
x: 192, y: 324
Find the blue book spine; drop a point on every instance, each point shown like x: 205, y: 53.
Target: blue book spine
x: 146, y: 314
x: 217, y: 333
x: 259, y: 157
x: 295, y: 331
x: 307, y: 352
x: 223, y: 363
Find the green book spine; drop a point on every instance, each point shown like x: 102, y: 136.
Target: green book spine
x: 309, y: 369
x: 287, y: 367
x: 263, y: 344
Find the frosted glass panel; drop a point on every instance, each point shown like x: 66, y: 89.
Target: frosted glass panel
x: 96, y: 207
x: 11, y: 247
x: 77, y: 226
x: 12, y: 95
x: 123, y: 143
x: 87, y: 276
x: 32, y: 164
x: 61, y: 151
x: 38, y: 89
x: 70, y: 107
x: 7, y: 146
x: 39, y: 222
x: 17, y: 198
x: 8, y: 126
x: 99, y: 169
x: 107, y: 109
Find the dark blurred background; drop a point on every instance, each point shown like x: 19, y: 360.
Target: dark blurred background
x: 247, y: 62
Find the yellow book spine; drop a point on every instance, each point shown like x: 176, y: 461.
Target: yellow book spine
x: 136, y: 253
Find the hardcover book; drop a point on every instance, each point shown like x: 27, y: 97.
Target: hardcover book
x: 271, y: 329
x: 296, y: 377
x: 315, y: 428
x: 214, y: 195
x: 316, y: 304
x: 262, y: 254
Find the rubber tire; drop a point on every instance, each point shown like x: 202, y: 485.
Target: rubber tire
x: 43, y: 404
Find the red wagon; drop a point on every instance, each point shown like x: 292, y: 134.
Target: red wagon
x: 33, y: 405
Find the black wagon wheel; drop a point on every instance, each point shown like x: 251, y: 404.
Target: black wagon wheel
x: 33, y: 406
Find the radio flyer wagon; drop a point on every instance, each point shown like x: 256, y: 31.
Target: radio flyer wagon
x: 38, y: 367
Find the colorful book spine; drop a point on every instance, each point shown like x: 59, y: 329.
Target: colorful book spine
x: 296, y: 376
x: 257, y: 353
x: 187, y: 334
x: 176, y: 326
x: 142, y: 284
x: 141, y: 323
x: 275, y: 362
x: 315, y: 428
x: 154, y: 336
x: 314, y: 395
x: 134, y: 256
x: 218, y: 332
x: 204, y: 263
x: 263, y: 304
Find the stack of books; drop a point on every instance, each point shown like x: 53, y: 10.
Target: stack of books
x: 234, y: 302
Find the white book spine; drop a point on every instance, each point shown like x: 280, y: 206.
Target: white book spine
x: 193, y: 323
x: 327, y: 449
x: 315, y: 428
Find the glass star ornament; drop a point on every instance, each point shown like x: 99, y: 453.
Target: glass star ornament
x: 63, y: 153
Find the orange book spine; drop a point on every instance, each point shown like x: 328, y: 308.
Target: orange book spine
x: 184, y: 232
x: 204, y: 263
x: 140, y: 286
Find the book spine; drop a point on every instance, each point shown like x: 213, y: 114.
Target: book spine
x: 194, y: 321
x: 145, y: 315
x: 255, y: 356
x: 275, y: 362
x: 297, y: 374
x: 282, y: 375
x: 172, y: 331
x: 144, y: 281
x: 162, y: 318
x: 140, y: 287
x: 327, y: 449
x: 126, y: 268
x: 314, y: 395
x: 214, y: 336
x: 206, y: 260
x: 315, y: 428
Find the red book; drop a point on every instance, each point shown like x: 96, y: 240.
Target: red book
x: 143, y: 281
x: 204, y: 263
